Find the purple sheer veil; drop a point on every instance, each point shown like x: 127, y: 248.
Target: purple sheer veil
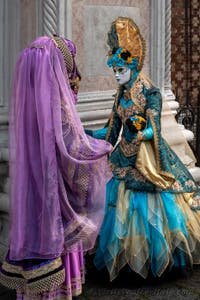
x: 58, y: 173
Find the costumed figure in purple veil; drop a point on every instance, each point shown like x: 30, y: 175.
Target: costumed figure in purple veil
x: 58, y: 176
x: 152, y: 221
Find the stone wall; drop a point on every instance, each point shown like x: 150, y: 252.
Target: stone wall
x: 90, y: 24
x: 186, y: 50
x: 17, y: 28
x: 186, y: 65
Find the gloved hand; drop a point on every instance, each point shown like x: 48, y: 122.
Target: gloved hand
x: 136, y: 123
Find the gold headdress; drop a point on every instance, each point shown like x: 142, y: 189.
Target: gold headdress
x: 68, y: 59
x: 125, y: 34
x: 72, y: 70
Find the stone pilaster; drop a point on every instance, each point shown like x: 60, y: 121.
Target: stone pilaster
x: 9, y: 48
x: 50, y: 17
x: 160, y: 72
x: 94, y: 108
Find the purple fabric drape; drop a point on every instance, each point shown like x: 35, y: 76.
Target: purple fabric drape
x: 58, y: 173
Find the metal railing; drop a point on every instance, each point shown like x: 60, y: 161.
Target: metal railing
x: 189, y: 116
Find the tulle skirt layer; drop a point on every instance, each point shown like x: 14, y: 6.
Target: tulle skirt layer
x: 147, y: 231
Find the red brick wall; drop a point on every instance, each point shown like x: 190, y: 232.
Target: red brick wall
x: 186, y: 50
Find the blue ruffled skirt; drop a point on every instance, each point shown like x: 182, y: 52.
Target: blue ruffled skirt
x: 147, y: 231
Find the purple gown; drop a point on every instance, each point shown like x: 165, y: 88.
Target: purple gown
x: 58, y: 177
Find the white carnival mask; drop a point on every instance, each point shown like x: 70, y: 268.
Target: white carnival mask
x: 122, y: 74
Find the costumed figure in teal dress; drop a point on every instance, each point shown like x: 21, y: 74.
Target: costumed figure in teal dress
x: 152, y: 221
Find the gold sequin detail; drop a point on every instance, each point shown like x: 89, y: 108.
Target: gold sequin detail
x: 12, y: 282
x: 68, y: 59
x: 44, y: 269
x: 48, y: 282
x: 129, y: 149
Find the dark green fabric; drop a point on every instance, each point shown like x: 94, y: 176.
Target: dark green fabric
x: 169, y: 161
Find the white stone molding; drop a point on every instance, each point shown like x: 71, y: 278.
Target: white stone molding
x: 68, y: 26
x: 2, y: 4
x: 4, y: 202
x: 65, y: 18
x: 62, y: 12
x: 4, y: 156
x: 169, y: 95
x: 50, y: 17
x: 9, y: 48
x: 4, y: 228
x: 56, y: 16
x: 168, y: 44
x: 160, y: 73
x: 160, y: 52
x: 157, y: 42
x: 94, y: 108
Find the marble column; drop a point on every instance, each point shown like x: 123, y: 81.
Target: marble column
x: 160, y: 72
x: 49, y: 17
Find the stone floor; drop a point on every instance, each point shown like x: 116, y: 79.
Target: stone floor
x: 6, y: 294
x: 169, y: 288
x: 166, y: 289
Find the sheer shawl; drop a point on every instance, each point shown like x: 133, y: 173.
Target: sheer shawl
x: 58, y: 173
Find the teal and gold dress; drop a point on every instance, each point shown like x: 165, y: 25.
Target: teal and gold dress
x: 148, y: 223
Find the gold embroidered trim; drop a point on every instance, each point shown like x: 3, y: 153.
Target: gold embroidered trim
x: 33, y: 273
x: 129, y: 149
x: 82, y: 234
x: 117, y: 98
x: 61, y: 292
x: 67, y: 56
x: 71, y: 227
x: 11, y: 268
x: 135, y: 90
x: 156, y: 148
x: 40, y: 285
x: 12, y: 282
x: 47, y: 283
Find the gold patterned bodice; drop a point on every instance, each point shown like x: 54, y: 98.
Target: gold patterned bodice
x: 136, y: 95
x: 136, y: 102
